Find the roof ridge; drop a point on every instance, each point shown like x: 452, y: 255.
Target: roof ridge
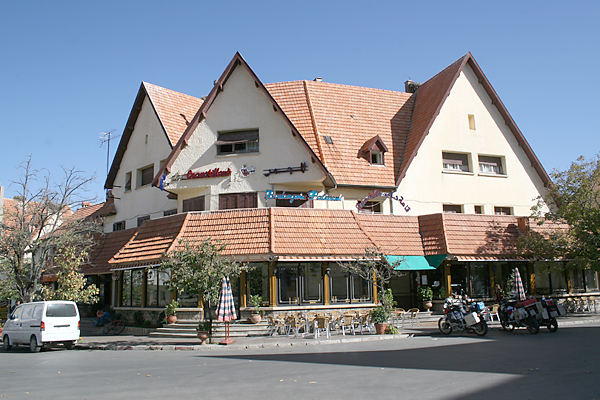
x: 314, y: 122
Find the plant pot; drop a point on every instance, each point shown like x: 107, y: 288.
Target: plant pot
x: 427, y: 304
x: 380, y: 328
x: 203, y: 335
x: 255, y: 318
x: 171, y: 319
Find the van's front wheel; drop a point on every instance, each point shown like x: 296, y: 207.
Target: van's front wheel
x: 6, y: 342
x: 33, y: 345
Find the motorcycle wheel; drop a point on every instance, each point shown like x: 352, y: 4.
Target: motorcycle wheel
x: 553, y: 325
x: 533, y: 326
x: 508, y: 327
x: 480, y: 328
x: 444, y: 326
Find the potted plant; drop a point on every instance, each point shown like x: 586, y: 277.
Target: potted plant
x: 255, y: 301
x: 425, y: 294
x: 204, y: 330
x: 380, y: 316
x: 171, y: 311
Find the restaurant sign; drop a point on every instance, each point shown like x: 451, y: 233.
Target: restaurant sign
x: 211, y: 173
x: 379, y: 193
x: 312, y: 195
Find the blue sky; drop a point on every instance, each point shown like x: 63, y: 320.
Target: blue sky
x: 70, y: 70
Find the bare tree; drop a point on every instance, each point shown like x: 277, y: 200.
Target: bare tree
x: 35, y: 226
x: 373, y: 267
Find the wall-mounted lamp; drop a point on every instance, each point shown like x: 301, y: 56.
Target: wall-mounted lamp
x: 115, y: 277
x: 327, y: 271
x: 275, y: 271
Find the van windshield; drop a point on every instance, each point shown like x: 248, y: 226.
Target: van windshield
x: 61, y: 310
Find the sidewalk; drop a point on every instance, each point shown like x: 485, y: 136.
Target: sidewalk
x: 93, y: 339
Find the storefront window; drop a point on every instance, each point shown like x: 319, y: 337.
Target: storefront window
x: 338, y: 285
x: 591, y: 280
x: 559, y: 282
x: 288, y: 284
x: 542, y: 279
x: 137, y: 278
x: 479, y: 282
x: 126, y: 289
x: 361, y: 289
x: 577, y: 283
x: 300, y: 283
x: 158, y: 294
x: 258, y: 280
x: 312, y: 283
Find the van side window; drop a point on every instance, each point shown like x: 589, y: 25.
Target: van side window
x: 37, y: 311
x: 17, y: 313
x: 27, y: 311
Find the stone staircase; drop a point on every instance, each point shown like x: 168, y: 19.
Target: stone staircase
x: 184, y: 329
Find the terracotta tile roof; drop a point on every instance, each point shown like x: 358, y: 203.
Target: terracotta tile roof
x: 393, y: 234
x: 480, y: 234
x: 298, y: 231
x: 86, y: 210
x: 429, y: 100
x: 351, y: 116
x: 175, y: 110
x: 106, y: 246
x: 432, y: 232
x: 244, y: 231
x: 152, y: 240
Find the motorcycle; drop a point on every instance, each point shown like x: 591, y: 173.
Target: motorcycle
x: 548, y: 315
x: 457, y: 317
x: 513, y: 316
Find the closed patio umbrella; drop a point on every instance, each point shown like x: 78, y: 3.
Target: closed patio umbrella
x: 226, y: 308
x: 519, y: 285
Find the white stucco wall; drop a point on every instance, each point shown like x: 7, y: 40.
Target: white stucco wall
x: 146, y: 200
x: 241, y: 106
x: 426, y: 187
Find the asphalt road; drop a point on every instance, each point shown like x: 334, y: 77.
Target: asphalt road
x: 562, y: 365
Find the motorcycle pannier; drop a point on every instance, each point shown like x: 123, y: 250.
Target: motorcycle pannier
x: 471, y: 319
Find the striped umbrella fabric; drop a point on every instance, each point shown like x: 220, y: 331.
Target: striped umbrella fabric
x: 519, y: 285
x: 226, y: 308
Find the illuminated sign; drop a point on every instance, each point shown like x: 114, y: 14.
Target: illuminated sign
x: 379, y: 193
x: 312, y: 195
x: 211, y: 173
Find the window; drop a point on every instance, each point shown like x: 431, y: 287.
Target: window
x: 478, y: 209
x: 455, y: 161
x: 170, y: 212
x: 490, y: 165
x: 145, y: 175
x: 376, y: 157
x: 453, y: 208
x: 237, y: 142
x: 299, y: 203
x: 471, y: 122
x: 143, y: 219
x: 238, y: 200
x: 502, y: 211
x: 119, y: 226
x: 193, y: 204
x: 373, y: 207
x: 128, y: 181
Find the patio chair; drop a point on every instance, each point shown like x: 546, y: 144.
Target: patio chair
x: 322, y: 324
x: 398, y: 313
x: 293, y: 323
x: 347, y: 322
x: 413, y: 315
x: 276, y: 325
x: 494, y: 312
x: 364, y: 322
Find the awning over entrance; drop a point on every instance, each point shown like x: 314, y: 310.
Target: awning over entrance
x: 416, y: 263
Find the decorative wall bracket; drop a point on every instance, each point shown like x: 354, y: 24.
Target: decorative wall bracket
x: 302, y: 168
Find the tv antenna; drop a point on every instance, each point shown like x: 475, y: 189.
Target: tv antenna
x: 106, y: 138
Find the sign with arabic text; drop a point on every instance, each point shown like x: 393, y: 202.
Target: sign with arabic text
x: 379, y: 193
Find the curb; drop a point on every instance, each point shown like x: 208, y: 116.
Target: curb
x: 209, y: 347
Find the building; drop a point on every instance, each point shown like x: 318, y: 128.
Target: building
x: 296, y: 176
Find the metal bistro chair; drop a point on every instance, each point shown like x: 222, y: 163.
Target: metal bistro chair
x: 396, y: 314
x: 322, y: 325
x: 276, y: 325
x: 347, y: 322
x: 413, y: 314
x: 292, y: 322
x: 364, y: 322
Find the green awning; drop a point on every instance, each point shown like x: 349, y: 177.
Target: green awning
x: 416, y: 263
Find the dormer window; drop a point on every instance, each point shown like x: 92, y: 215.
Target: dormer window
x: 373, y: 151
x: 237, y: 142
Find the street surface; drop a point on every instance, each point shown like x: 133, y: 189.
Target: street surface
x: 562, y: 365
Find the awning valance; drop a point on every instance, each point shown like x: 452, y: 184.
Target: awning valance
x: 416, y: 263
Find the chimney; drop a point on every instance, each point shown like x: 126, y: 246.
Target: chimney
x: 411, y: 86
x: 85, y: 204
x: 318, y: 79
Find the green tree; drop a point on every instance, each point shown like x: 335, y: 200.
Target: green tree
x: 372, y: 267
x: 72, y: 284
x: 198, y: 269
x: 38, y: 224
x: 574, y: 199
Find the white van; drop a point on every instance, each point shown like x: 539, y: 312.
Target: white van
x: 42, y: 323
